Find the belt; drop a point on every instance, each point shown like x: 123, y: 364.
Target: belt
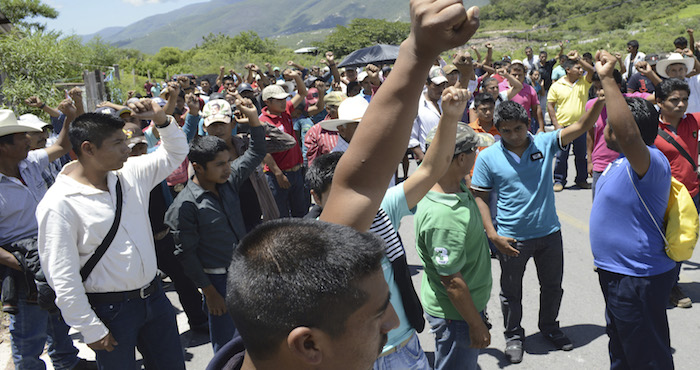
x: 116, y: 297
x: 397, y: 347
x: 293, y: 169
x: 215, y: 271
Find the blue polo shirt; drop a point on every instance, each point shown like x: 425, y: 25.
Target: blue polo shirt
x: 525, y: 200
x: 623, y: 237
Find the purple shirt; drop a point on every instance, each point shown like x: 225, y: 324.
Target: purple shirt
x: 527, y: 97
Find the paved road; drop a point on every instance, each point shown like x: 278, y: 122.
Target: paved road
x: 581, y: 315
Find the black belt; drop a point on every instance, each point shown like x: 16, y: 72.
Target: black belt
x: 116, y: 297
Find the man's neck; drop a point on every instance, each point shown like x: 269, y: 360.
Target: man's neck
x: 449, y: 184
x: 571, y: 79
x: 9, y: 167
x: 206, y: 185
x: 433, y: 102
x: 90, y: 177
x: 673, y: 121
x: 517, y: 150
x: 486, y: 125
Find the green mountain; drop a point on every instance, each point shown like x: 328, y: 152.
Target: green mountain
x: 184, y: 27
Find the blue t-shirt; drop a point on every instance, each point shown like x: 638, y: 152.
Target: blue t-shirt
x: 524, y: 189
x: 623, y: 237
x: 303, y: 124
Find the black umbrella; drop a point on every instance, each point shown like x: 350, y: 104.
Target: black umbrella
x: 377, y: 54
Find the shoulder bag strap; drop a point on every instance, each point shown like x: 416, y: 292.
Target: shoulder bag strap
x: 665, y: 135
x: 647, y: 208
x: 102, y: 248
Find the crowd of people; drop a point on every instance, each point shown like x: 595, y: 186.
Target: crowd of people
x: 272, y: 201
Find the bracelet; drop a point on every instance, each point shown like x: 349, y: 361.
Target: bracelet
x: 42, y: 105
x: 169, y: 119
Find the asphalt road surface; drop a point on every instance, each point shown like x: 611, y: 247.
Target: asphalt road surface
x: 581, y: 315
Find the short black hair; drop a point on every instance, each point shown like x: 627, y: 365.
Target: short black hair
x: 680, y: 42
x: 352, y: 85
x: 204, y: 149
x: 8, y: 139
x: 293, y: 272
x: 668, y: 86
x: 633, y: 43
x: 488, y: 80
x: 616, y: 75
x: 646, y: 117
x: 587, y: 55
x: 320, y: 174
x: 510, y: 111
x: 481, y: 99
x: 226, y: 78
x: 568, y: 64
x: 93, y: 127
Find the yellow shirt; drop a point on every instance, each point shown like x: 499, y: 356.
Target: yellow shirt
x: 569, y: 99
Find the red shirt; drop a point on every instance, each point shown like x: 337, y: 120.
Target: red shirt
x: 687, y: 136
x: 319, y: 142
x: 290, y: 157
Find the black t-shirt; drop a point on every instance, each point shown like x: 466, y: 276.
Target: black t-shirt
x: 546, y: 71
x: 640, y: 83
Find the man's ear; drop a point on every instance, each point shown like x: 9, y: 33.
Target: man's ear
x: 317, y: 197
x: 87, y: 147
x: 196, y: 167
x: 306, y: 344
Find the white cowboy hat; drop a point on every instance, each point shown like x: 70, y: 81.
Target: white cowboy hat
x: 350, y: 110
x: 10, y: 125
x: 673, y: 58
x: 33, y: 121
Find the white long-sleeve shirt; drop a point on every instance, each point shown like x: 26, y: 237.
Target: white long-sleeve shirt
x: 428, y: 118
x: 74, y: 218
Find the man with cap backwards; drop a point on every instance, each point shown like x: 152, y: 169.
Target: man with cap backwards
x: 429, y: 111
x: 206, y: 218
x: 680, y: 66
x: 22, y: 186
x: 283, y: 169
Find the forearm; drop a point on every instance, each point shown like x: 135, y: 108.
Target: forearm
x: 9, y: 260
x: 584, y: 124
x: 540, y: 116
x: 489, y: 57
x: 460, y: 297
x: 485, y: 211
x: 270, y: 162
x: 552, y: 114
x: 169, y: 107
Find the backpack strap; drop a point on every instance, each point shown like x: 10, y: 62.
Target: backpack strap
x: 666, y: 136
x: 102, y: 248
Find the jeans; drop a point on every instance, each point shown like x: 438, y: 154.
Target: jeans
x: 549, y: 261
x: 147, y: 324
x: 561, y: 167
x: 635, y: 313
x: 31, y: 328
x: 409, y: 357
x: 292, y: 202
x: 221, y: 328
x: 452, y: 342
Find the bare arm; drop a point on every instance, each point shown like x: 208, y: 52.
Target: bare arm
x: 489, y: 54
x: 585, y: 123
x: 35, y: 102
x: 301, y: 89
x: 8, y: 259
x: 460, y: 297
x: 478, y: 55
x: 501, y: 242
x: 220, y: 78
x: 320, y: 104
x: 380, y: 143
x: 552, y: 114
x: 62, y: 145
x: 515, y: 85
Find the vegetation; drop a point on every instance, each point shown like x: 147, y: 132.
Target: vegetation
x: 363, y: 32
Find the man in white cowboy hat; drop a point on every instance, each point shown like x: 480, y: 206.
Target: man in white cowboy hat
x: 681, y: 66
x: 350, y: 113
x: 22, y: 186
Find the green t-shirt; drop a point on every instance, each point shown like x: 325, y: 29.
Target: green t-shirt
x: 450, y: 238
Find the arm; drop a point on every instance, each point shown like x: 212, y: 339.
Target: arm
x: 244, y: 165
x: 691, y: 40
x: 439, y: 154
x: 501, y: 242
x: 381, y: 142
x: 552, y: 112
x: 320, y: 104
x: 540, y: 117
x: 588, y: 68
x: 301, y: 88
x: 515, y: 85
x: 62, y: 145
x: 623, y: 67
x: 8, y: 259
x: 620, y: 118
x: 220, y: 77
x: 192, y: 117
x: 35, y: 102
x: 645, y: 69
x: 460, y: 296
x: 476, y: 51
x: 590, y: 142
x: 489, y: 54
x: 282, y: 180
x: 585, y: 123
x: 465, y: 66
x: 330, y: 61
x: 174, y: 91
x: 77, y: 95
x: 561, y: 50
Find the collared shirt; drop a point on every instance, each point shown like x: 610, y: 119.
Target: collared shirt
x: 569, y: 99
x: 428, y: 118
x: 74, y: 218
x: 686, y: 135
x: 290, y: 157
x: 694, y: 98
x: 632, y: 69
x: 18, y: 201
x: 319, y: 142
x: 206, y: 227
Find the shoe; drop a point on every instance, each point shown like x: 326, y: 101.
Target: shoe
x: 559, y: 340
x: 680, y: 299
x: 514, y: 351
x: 583, y: 185
x: 84, y: 364
x: 558, y: 187
x: 200, y: 328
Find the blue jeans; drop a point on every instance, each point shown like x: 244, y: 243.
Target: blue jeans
x: 562, y: 165
x: 409, y: 357
x: 147, y: 324
x: 31, y: 328
x: 221, y: 328
x: 635, y: 313
x: 548, y: 254
x: 452, y: 343
x: 292, y: 202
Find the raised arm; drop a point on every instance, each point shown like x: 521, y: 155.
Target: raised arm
x: 476, y: 51
x: 301, y: 88
x: 380, y: 141
x: 585, y: 123
x: 62, y: 145
x: 515, y: 85
x: 645, y: 69
x: 35, y: 102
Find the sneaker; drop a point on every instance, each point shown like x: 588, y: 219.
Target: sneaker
x: 84, y: 364
x: 680, y: 299
x: 514, y: 351
x: 559, y: 340
x: 583, y: 185
x: 558, y: 187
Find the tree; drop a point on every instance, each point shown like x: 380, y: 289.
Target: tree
x: 363, y: 32
x: 19, y: 11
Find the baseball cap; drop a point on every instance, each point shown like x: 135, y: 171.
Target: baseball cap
x: 334, y: 98
x: 467, y: 139
x: 518, y: 61
x: 33, y: 121
x: 218, y: 110
x: 244, y: 87
x: 437, y: 75
x: 361, y: 77
x: 449, y: 68
x: 274, y: 92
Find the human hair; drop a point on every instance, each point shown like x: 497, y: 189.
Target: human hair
x: 353, y: 86
x: 668, y: 86
x: 510, y: 111
x: 568, y: 64
x: 93, y: 127
x: 522, y: 66
x: 646, y: 117
x: 633, y: 43
x: 481, y: 99
x: 587, y: 55
x: 528, y: 48
x: 227, y: 78
x: 204, y: 149
x: 292, y: 272
x: 616, y: 75
x: 680, y: 42
x: 488, y: 80
x: 8, y: 139
x: 320, y: 173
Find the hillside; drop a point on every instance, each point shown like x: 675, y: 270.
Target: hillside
x: 184, y: 27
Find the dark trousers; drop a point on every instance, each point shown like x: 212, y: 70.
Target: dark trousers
x: 635, y: 312
x: 187, y: 292
x: 549, y: 261
x: 562, y: 166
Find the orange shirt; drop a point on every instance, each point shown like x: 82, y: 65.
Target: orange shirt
x: 477, y: 127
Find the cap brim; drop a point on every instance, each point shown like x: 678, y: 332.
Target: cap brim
x: 16, y: 129
x: 332, y: 124
x: 438, y: 80
x: 208, y: 121
x: 278, y: 96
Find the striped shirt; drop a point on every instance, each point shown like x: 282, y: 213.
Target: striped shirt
x: 319, y: 142
x: 382, y: 227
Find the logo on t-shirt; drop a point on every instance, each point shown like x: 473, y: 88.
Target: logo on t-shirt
x: 441, y: 256
x: 536, y: 156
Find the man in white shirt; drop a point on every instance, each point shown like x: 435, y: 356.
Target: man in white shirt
x: 120, y: 305
x: 429, y: 112
x: 632, y: 58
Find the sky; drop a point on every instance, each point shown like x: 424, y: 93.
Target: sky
x: 84, y: 17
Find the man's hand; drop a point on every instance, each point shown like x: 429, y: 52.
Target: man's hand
x: 454, y: 102
x: 105, y: 344
x: 215, y: 302
x: 473, y: 47
x: 76, y: 94
x: 282, y: 180
x: 690, y: 32
x: 502, y: 71
x: 184, y: 82
x: 688, y: 53
x: 268, y: 65
x: 34, y: 102
x: 173, y: 88
x: 246, y: 107
x: 130, y: 94
x: 289, y: 74
x: 605, y: 64
x: 441, y: 25
x: 68, y: 108
x: 192, y: 102
x: 222, y: 69
x: 330, y: 58
x: 618, y: 56
x: 479, y: 335
x: 573, y: 55
x: 488, y: 45
x: 462, y: 60
x: 504, y: 245
x: 147, y: 109
x: 643, y: 67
